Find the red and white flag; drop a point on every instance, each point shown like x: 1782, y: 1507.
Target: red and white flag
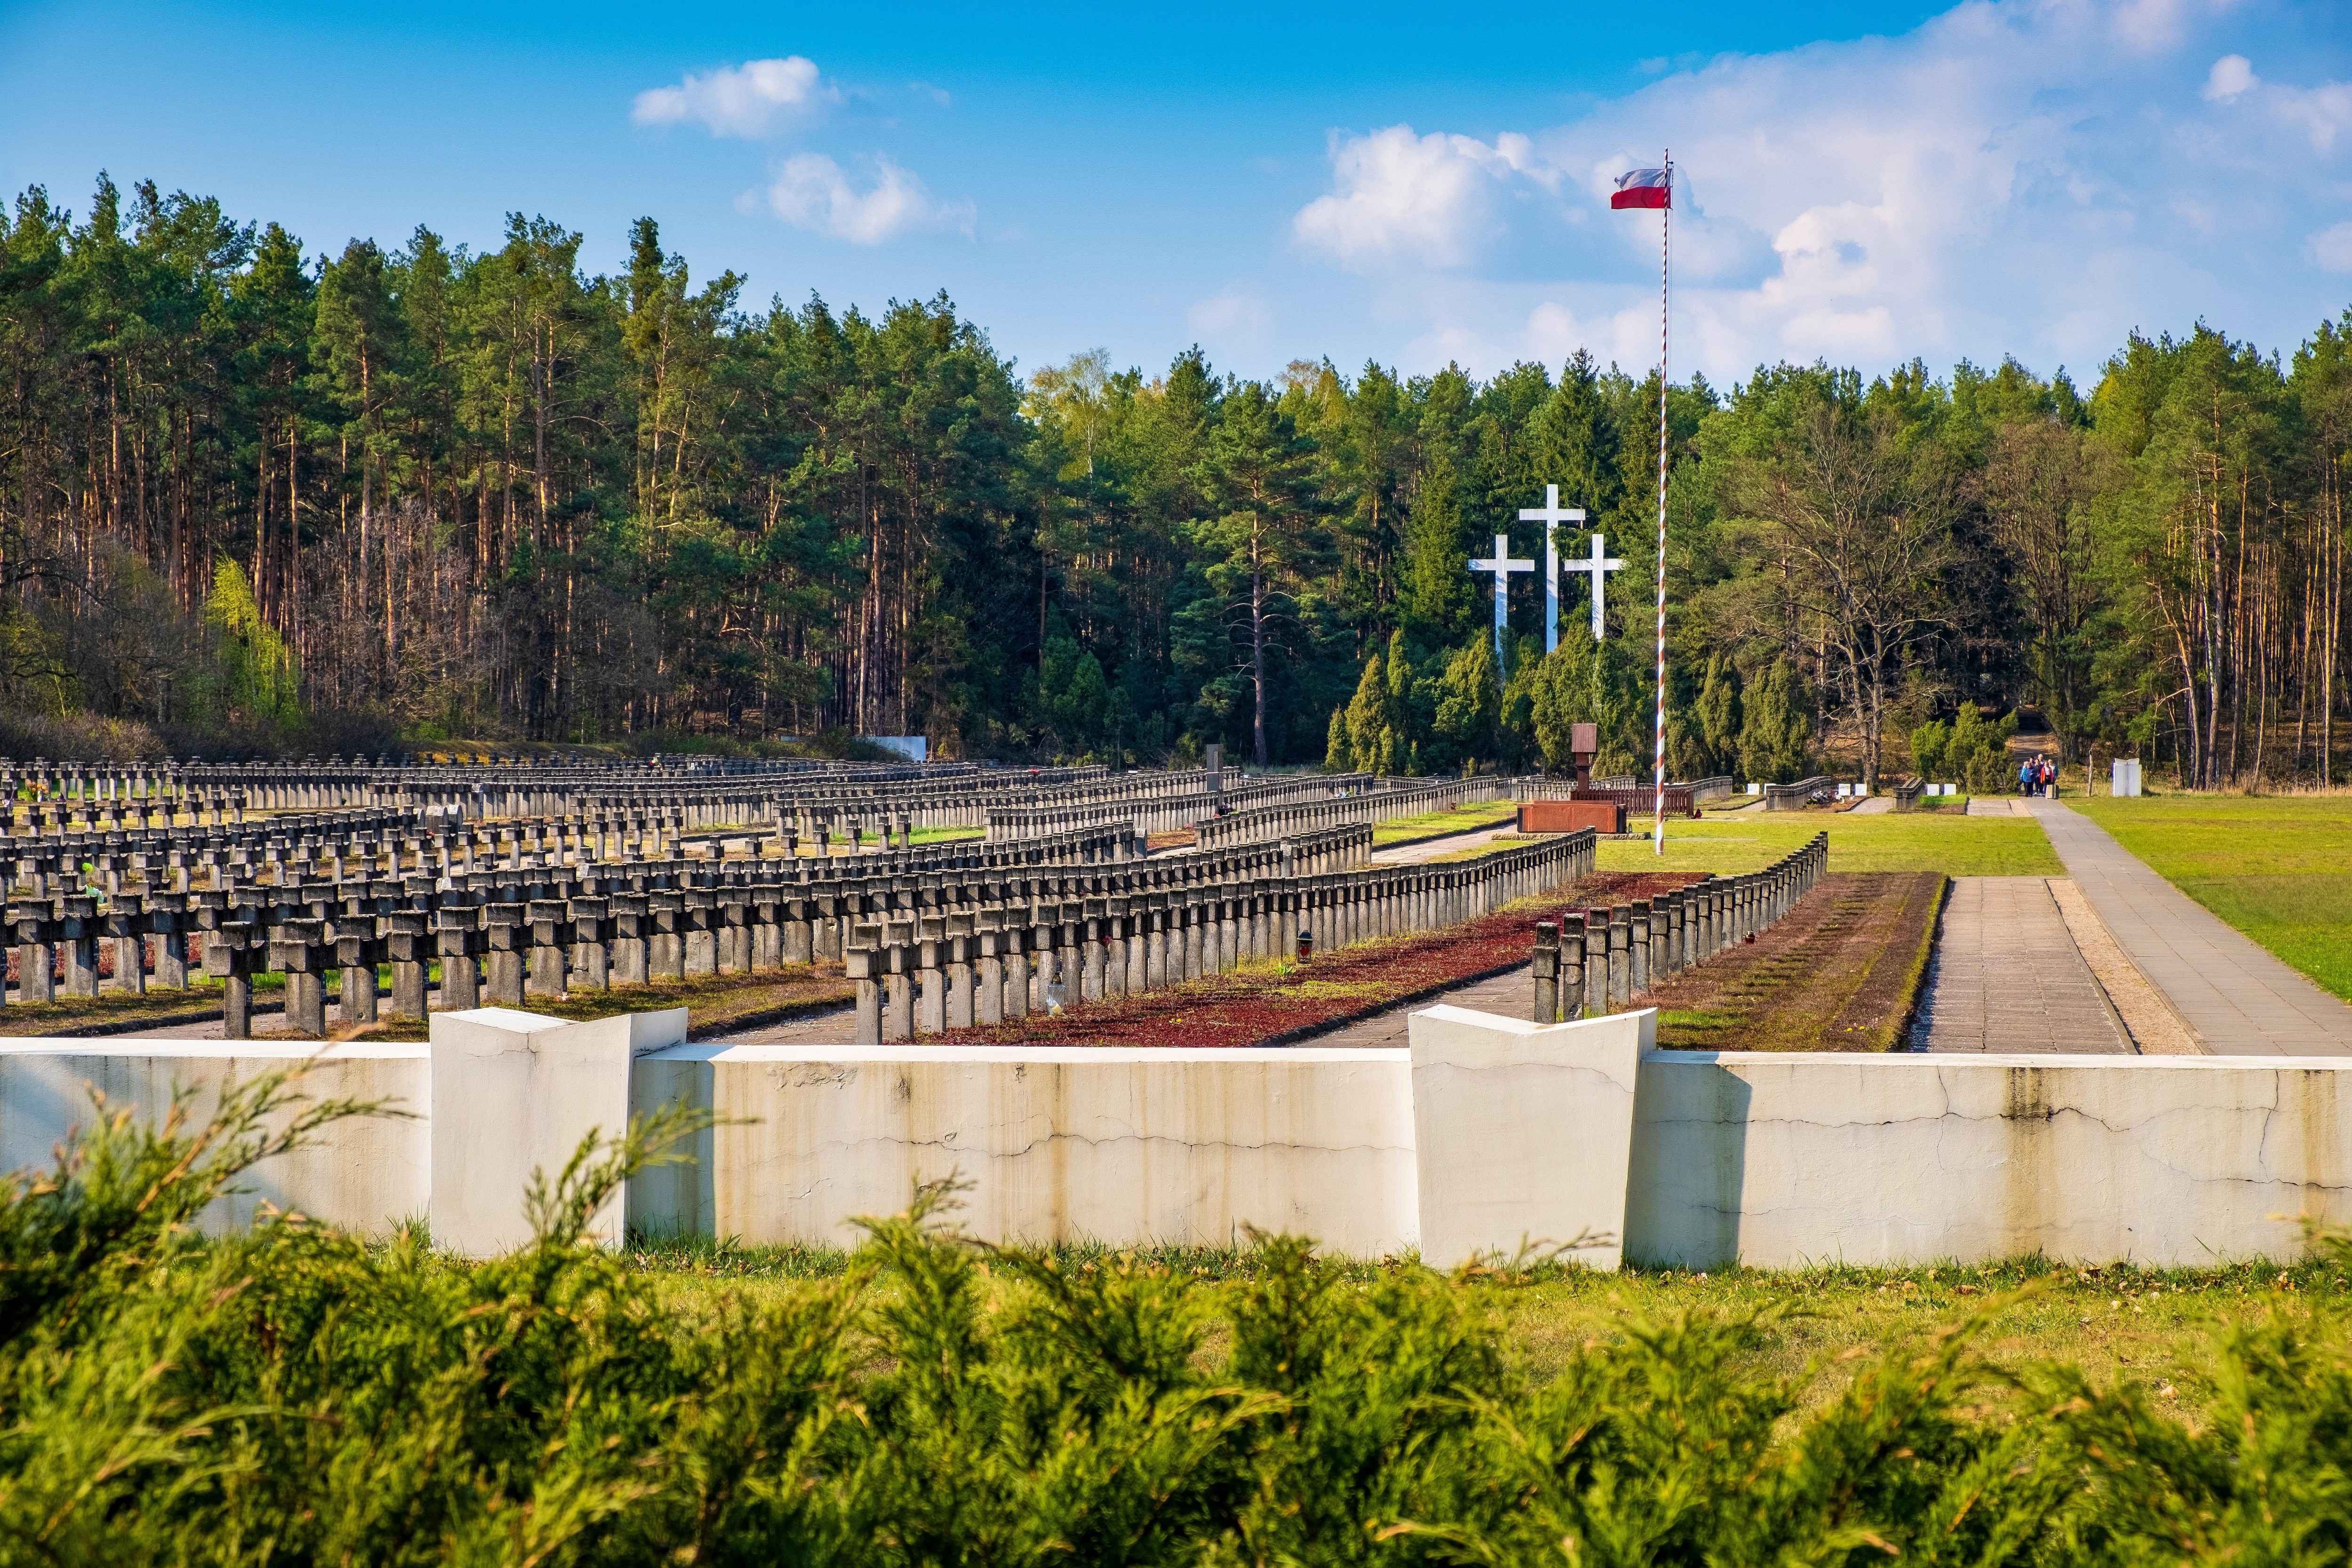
x: 1642, y: 188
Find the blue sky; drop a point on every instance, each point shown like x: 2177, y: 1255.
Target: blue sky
x: 1864, y: 182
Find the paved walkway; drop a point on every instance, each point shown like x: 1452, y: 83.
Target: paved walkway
x: 1995, y: 805
x: 1511, y: 994
x: 2007, y: 977
x: 2239, y: 999
x: 1429, y: 850
x: 833, y: 1026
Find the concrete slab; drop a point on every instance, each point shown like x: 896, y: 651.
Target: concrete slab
x: 2237, y: 999
x: 2007, y: 977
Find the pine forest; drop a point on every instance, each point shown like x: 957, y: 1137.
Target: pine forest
x: 256, y: 497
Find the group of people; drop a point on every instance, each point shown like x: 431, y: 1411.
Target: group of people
x: 2037, y: 775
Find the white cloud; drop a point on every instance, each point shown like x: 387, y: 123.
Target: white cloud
x: 2004, y: 178
x: 813, y: 192
x: 749, y: 100
x: 2331, y: 249
x: 2231, y: 74
x: 1424, y: 199
x: 1231, y: 321
x: 2322, y: 113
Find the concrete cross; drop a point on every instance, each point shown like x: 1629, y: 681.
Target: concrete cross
x: 1598, y: 564
x: 1550, y: 515
x: 1502, y: 565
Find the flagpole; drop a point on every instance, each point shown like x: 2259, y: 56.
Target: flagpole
x: 1666, y: 263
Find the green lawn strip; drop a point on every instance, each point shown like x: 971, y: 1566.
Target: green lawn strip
x: 113, y: 1012
x: 1438, y: 824
x: 725, y: 1001
x: 2158, y: 1329
x: 2276, y: 868
x: 1938, y: 841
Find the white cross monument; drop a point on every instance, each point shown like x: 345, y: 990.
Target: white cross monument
x: 1598, y: 564
x: 1550, y: 515
x: 1502, y: 566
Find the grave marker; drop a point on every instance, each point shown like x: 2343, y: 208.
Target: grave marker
x: 1551, y: 516
x: 1502, y: 565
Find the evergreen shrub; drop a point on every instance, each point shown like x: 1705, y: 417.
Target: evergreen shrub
x: 294, y: 1395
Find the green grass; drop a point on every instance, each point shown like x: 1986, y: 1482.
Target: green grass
x: 311, y: 1397
x: 2155, y: 1329
x: 1954, y: 844
x: 2277, y: 868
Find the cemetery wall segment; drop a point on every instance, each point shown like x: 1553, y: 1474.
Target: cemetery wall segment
x: 1486, y: 1134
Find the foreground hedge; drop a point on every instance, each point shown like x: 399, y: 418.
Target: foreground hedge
x: 299, y: 1396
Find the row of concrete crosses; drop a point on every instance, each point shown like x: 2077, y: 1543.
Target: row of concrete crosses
x: 1502, y: 564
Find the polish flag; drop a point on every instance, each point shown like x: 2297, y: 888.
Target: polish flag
x: 1642, y: 188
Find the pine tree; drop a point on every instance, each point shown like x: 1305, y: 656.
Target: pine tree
x: 1719, y: 714
x: 1470, y: 700
x: 1772, y: 739
x: 1929, y: 742
x: 1437, y: 576
x: 1367, y: 717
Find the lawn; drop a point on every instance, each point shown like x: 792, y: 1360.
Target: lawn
x: 2158, y: 1329
x: 2275, y: 867
x: 1954, y: 844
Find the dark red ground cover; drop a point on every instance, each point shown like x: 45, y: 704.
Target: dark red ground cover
x: 1265, y: 1006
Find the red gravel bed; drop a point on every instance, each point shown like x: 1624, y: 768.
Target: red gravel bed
x: 1266, y: 1004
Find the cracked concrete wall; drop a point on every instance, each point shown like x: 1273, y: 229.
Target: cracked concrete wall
x: 1489, y: 1132
x: 1119, y: 1146
x: 1784, y: 1161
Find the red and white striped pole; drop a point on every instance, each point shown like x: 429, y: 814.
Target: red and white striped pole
x: 1665, y: 265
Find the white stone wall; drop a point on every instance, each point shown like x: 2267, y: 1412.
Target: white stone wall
x: 1059, y: 1144
x: 1487, y: 1136
x: 1783, y: 1160
x: 367, y: 1174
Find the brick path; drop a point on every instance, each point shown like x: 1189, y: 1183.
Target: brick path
x: 2239, y: 999
x: 2007, y: 977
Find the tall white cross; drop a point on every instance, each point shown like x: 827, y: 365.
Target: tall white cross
x: 1550, y: 515
x: 1502, y: 566
x: 1598, y: 564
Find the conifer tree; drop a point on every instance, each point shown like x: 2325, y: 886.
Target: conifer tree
x: 1774, y: 734
x: 1719, y: 717
x: 1437, y: 578
x: 1367, y: 717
